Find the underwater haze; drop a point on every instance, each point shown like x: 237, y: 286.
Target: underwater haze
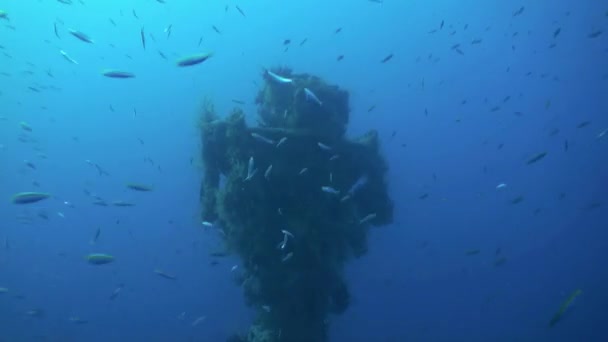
x: 492, y: 117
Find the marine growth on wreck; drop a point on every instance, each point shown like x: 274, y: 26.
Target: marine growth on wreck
x: 296, y: 201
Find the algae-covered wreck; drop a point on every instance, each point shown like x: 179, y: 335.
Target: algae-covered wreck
x: 297, y: 201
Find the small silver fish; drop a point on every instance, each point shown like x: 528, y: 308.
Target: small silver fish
x: 287, y: 233
x: 287, y: 257
x: 311, y: 96
x: 194, y: 59
x: 281, y: 141
x: 367, y: 218
x: 81, y: 36
x: 267, y: 173
x: 334, y: 157
x: 602, y: 134
x: 117, y: 74
x: 67, y: 57
x: 262, y: 138
x: 303, y: 171
x: 198, y: 320
x: 323, y: 146
x: 251, y: 171
x: 330, y: 190
x: 278, y: 78
x: 283, y: 243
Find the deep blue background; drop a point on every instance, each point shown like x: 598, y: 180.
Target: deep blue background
x: 416, y: 284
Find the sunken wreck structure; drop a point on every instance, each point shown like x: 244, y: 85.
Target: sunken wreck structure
x: 296, y: 202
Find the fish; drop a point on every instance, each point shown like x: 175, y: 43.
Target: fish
x: 367, y: 218
x: 268, y: 171
x: 25, y: 126
x: 519, y: 11
x: 216, y: 29
x: 387, y: 58
x: 499, y: 261
x: 194, y: 59
x: 323, y: 146
x: 143, y: 37
x: 517, y: 199
x: 81, y: 36
x: 241, y: 102
x: 595, y: 34
x: 340, y: 57
x: 207, y: 224
x: 116, y: 292
x: 139, y: 187
x: 287, y: 257
x: 423, y: 196
x: 37, y: 313
x: 3, y: 290
x: 262, y: 138
x: 281, y: 141
x: 536, y: 158
x: 476, y: 41
x: 29, y: 197
x: 501, y: 186
x: 135, y: 14
x: 3, y: 15
x: 96, y: 236
x: 55, y: 29
x: 583, y: 124
x: 563, y: 307
x: 240, y: 11
x: 311, y: 96
x: 472, y: 252
x: 359, y: 183
x: 77, y: 320
x: 602, y: 134
x: 251, y: 171
x: 110, y: 73
x: 278, y: 78
x: 30, y: 164
x: 303, y: 171
x: 303, y: 41
x: 198, y: 321
x: 330, y: 190
x: 167, y: 30
x: 99, y: 258
x: 165, y: 275
x: 122, y: 204
x: 67, y: 57
x: 556, y: 32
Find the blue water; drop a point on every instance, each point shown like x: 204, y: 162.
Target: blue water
x: 443, y: 137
